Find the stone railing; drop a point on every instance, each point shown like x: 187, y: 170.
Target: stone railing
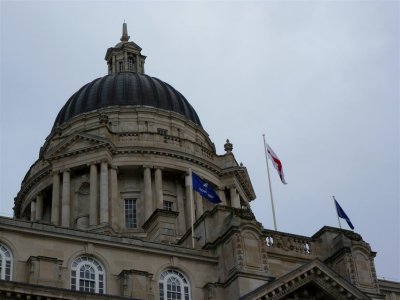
x: 286, y: 243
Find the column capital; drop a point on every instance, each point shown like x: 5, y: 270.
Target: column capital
x: 66, y: 171
x: 148, y: 166
x: 104, y: 161
x: 92, y: 163
x: 55, y: 172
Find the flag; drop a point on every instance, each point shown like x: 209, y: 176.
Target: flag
x: 277, y: 163
x: 204, y: 189
x: 343, y: 215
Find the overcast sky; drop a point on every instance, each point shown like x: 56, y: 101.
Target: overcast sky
x: 320, y: 78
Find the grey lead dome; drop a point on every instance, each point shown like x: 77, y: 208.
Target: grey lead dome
x: 126, y: 89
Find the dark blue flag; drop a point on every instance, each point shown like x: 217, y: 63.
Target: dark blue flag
x: 204, y: 189
x: 343, y: 215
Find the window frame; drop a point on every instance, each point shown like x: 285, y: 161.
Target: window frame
x: 168, y: 205
x: 177, y: 276
x: 134, y: 213
x: 99, y: 274
x: 6, y: 262
x: 131, y: 63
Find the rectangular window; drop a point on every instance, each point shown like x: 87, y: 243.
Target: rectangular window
x: 121, y: 66
x: 130, y: 213
x: 168, y: 205
x: 130, y: 63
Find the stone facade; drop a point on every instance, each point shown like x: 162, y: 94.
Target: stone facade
x: 108, y: 211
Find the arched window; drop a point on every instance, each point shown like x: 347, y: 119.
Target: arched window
x: 5, y: 262
x: 87, y: 275
x: 130, y: 63
x: 173, y: 285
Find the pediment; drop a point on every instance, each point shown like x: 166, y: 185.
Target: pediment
x: 314, y: 280
x: 78, y: 144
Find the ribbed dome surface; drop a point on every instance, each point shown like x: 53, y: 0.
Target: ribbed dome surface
x: 126, y: 89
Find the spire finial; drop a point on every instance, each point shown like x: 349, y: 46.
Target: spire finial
x: 125, y: 37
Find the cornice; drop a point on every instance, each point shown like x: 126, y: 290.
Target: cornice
x: 79, y: 236
x: 28, y: 185
x: 243, y: 177
x: 101, y: 143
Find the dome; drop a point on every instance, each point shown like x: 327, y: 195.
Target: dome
x: 126, y: 89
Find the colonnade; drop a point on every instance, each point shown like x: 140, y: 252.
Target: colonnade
x: 62, y: 215
x: 102, y: 188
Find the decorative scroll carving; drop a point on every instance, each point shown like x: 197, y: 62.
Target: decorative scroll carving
x: 239, y: 251
x: 244, y: 213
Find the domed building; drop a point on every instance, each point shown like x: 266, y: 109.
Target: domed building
x: 108, y: 211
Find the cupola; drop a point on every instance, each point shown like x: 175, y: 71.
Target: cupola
x: 125, y: 56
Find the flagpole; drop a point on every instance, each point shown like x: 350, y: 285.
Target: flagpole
x: 334, y: 203
x: 269, y: 183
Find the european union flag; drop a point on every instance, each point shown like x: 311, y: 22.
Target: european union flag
x: 343, y: 215
x: 204, y: 189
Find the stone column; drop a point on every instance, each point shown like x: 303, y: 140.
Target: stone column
x: 199, y: 205
x: 39, y: 207
x: 221, y: 194
x: 235, y: 199
x: 103, y: 192
x: 33, y: 211
x: 93, y: 220
x: 188, y: 205
x: 66, y: 199
x: 55, y: 201
x: 158, y: 185
x: 181, y: 208
x: 148, y: 194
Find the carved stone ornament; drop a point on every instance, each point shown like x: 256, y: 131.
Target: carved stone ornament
x: 228, y: 146
x: 103, y: 118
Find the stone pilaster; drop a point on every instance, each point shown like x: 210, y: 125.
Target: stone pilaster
x: 55, y: 201
x: 148, y: 195
x: 93, y: 220
x: 181, y: 208
x: 235, y: 199
x: 158, y: 185
x: 114, y: 67
x: 115, y: 211
x: 188, y: 204
x: 66, y: 199
x: 39, y: 207
x: 104, y: 192
x: 126, y: 61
